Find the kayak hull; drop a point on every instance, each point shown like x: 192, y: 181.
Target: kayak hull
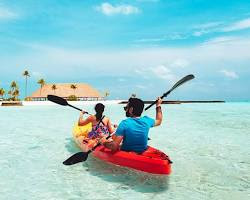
x: 151, y: 161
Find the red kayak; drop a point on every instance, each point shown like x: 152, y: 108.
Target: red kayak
x: 152, y: 160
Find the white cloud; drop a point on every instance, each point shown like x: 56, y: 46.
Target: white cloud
x: 176, y: 36
x: 180, y: 63
x: 205, y: 28
x: 148, y: 0
x: 222, y: 40
x: 208, y: 25
x: 199, y: 33
x: 139, y: 71
x: 150, y: 40
x: 230, y: 74
x: 143, y: 72
x: 220, y: 27
x: 6, y: 14
x: 109, y: 9
x: 137, y: 62
x: 163, y: 72
x: 141, y: 86
x: 121, y: 79
x: 160, y: 71
x: 173, y: 36
x: 240, y: 25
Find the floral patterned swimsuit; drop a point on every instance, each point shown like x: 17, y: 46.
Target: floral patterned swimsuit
x: 98, y: 130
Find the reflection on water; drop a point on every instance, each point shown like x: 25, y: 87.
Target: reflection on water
x: 71, y: 146
x: 130, y: 179
x: 136, y: 180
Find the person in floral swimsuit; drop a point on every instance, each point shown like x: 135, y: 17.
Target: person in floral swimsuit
x: 101, y: 125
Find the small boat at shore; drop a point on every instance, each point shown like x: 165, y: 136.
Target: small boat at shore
x: 151, y: 161
x: 11, y: 103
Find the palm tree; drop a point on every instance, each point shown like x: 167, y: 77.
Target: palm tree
x: 2, y: 92
x: 26, y: 74
x: 42, y: 83
x: 73, y: 86
x: 16, y: 94
x: 10, y: 95
x: 106, y: 94
x: 54, y: 88
x: 13, y: 88
x: 13, y: 85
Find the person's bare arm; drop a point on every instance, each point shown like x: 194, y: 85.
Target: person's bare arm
x: 110, y: 127
x: 113, y: 145
x: 82, y: 122
x: 158, y: 117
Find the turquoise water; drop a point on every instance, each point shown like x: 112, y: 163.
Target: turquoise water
x: 208, y: 143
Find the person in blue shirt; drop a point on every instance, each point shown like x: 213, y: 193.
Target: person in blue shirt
x: 133, y: 131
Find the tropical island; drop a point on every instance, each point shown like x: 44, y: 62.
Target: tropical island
x: 69, y: 91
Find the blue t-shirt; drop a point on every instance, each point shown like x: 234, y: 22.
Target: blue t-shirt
x: 135, y: 133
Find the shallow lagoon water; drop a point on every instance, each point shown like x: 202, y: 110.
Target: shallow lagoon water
x: 208, y: 143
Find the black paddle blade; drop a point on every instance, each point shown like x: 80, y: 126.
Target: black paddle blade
x: 57, y: 99
x: 76, y: 158
x: 180, y: 82
x: 183, y: 80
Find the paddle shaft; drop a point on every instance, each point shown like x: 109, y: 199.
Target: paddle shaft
x: 61, y: 101
x: 164, y: 95
x: 81, y: 156
x: 77, y: 108
x: 98, y: 144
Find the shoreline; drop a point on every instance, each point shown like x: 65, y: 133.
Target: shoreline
x: 49, y: 103
x: 105, y: 102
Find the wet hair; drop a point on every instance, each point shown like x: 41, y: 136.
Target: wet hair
x: 137, y: 105
x: 99, y: 108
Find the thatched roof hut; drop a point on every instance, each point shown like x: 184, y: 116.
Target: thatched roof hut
x: 81, y: 91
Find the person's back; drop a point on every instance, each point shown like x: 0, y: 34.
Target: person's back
x: 101, y: 125
x: 133, y: 131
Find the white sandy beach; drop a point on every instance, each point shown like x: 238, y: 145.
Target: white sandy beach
x: 48, y: 103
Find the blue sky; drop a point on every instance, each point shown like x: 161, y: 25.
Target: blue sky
x: 133, y: 46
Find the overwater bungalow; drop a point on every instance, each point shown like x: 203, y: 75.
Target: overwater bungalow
x: 69, y: 91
